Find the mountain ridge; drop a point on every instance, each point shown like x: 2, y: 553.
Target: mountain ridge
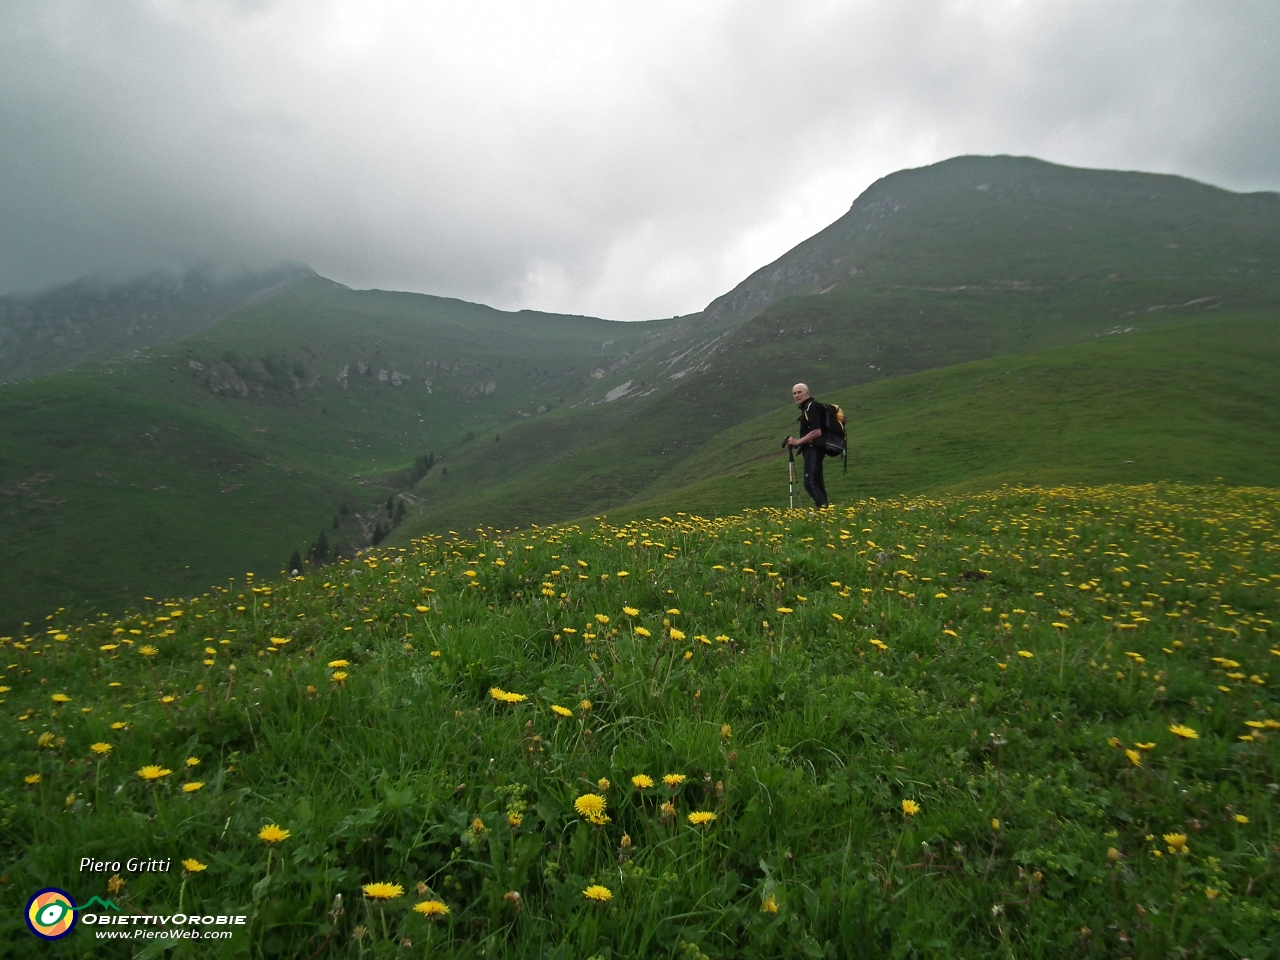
x: 436, y: 413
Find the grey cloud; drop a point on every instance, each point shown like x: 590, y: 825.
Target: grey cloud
x: 625, y: 160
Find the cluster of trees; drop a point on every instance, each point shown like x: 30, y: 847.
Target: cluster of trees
x: 318, y: 554
x: 395, y: 513
x: 421, y: 467
x: 321, y: 552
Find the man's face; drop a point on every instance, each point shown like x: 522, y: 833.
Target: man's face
x: 799, y: 394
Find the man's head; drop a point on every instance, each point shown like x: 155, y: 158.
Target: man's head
x: 800, y: 392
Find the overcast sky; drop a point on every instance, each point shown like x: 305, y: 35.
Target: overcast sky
x: 627, y: 160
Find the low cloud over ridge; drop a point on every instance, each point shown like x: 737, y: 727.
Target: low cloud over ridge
x: 622, y: 160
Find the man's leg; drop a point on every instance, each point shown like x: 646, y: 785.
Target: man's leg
x: 813, y: 484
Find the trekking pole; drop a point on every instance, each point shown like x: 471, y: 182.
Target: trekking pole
x: 791, y: 477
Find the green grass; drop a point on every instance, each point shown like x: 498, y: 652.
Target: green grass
x: 153, y: 473
x: 1045, y: 257
x: 1191, y: 402
x: 109, y: 500
x: 989, y: 657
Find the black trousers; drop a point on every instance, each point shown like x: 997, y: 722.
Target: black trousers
x: 813, y: 457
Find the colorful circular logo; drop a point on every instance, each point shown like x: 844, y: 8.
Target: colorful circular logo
x: 51, y: 913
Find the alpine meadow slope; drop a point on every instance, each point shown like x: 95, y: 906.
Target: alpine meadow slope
x: 972, y: 258
x: 319, y: 409
x: 164, y: 470
x: 93, y: 318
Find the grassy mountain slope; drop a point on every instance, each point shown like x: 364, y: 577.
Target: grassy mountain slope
x: 925, y: 271
x: 535, y: 417
x: 1193, y: 403
x: 59, y: 328
x: 107, y: 496
x: 227, y: 450
x: 764, y: 741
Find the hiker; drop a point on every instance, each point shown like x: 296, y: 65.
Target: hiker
x: 813, y: 422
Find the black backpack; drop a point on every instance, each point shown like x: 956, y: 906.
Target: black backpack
x: 834, y: 440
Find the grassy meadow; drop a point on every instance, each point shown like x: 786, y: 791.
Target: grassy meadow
x: 228, y: 445
x: 1193, y: 402
x: 1032, y: 722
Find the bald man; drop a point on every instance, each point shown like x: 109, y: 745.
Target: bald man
x: 813, y: 421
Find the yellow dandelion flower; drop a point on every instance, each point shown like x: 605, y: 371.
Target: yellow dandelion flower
x: 677, y: 634
x: 193, y: 761
x: 1145, y: 746
x: 602, y: 619
x: 631, y: 611
x: 339, y: 664
x: 1134, y: 757
x: 674, y: 779
x: 31, y: 779
x: 1241, y: 818
x: 995, y: 824
x: 585, y: 706
x: 422, y: 609
x: 590, y: 804
x: 272, y: 834
x: 339, y: 677
x: 726, y: 731
x: 1177, y: 842
x: 192, y: 865
x: 910, y: 808
x: 153, y: 772
x: 119, y: 725
x: 383, y: 891
x: 1026, y: 654
x: 700, y: 817
x: 102, y: 749
x: 1185, y: 732
x: 1210, y: 893
x: 770, y: 905
x: 598, y: 893
x: 785, y: 610
x: 603, y: 783
x: 505, y: 696
x: 193, y: 786
x: 431, y: 909
x: 60, y: 698
x: 560, y: 711
x: 45, y: 739
x: 148, y: 651
x: 641, y: 631
x: 641, y: 781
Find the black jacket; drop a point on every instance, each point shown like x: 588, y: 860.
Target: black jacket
x: 813, y: 416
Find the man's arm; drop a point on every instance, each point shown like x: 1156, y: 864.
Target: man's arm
x: 807, y: 438
x: 813, y: 434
